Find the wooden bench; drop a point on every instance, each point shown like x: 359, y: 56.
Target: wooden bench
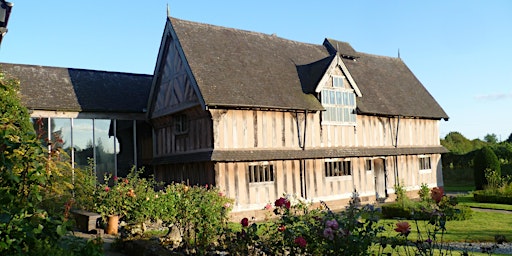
x: 85, y: 221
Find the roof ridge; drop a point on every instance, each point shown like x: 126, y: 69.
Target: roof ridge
x: 256, y: 33
x: 83, y: 69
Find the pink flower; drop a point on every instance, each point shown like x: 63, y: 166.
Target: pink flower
x: 221, y: 194
x: 282, y: 202
x: 126, y: 181
x: 115, y: 178
x: 333, y: 224
x: 329, y: 233
x: 300, y: 241
x: 268, y: 207
x: 227, y: 205
x: 244, y: 222
x: 107, y: 189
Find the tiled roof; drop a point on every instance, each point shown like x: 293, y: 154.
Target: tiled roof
x: 68, y: 89
x: 240, y: 68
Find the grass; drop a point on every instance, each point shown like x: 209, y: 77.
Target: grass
x: 467, y: 199
x: 481, y: 228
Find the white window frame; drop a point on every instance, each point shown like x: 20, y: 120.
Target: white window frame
x: 368, y: 165
x: 339, y: 103
x: 336, y: 168
x: 261, y: 173
x: 425, y: 164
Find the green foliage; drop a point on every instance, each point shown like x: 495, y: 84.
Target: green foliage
x: 491, y: 138
x: 29, y: 223
x: 201, y: 213
x: 460, y: 145
x: 424, y: 193
x: 303, y: 230
x: 485, y: 159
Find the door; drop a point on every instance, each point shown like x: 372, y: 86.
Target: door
x: 380, y: 178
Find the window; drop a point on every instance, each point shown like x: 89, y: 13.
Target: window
x: 261, y: 173
x: 334, y: 168
x: 368, y: 165
x: 425, y: 163
x: 339, y: 103
x: 180, y: 124
x: 337, y: 81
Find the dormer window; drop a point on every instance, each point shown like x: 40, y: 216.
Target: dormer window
x: 339, y: 103
x: 337, y: 82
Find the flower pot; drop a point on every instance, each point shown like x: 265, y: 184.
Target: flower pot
x: 112, y: 224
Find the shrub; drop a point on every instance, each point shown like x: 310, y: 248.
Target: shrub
x: 303, y: 230
x: 485, y: 159
x: 29, y: 225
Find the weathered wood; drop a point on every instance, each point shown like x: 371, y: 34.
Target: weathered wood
x: 85, y: 220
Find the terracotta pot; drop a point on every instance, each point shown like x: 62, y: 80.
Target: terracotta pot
x: 112, y: 224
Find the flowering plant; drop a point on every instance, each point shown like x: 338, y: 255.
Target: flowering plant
x: 110, y: 199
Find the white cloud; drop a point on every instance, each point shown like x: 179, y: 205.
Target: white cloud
x: 494, y: 96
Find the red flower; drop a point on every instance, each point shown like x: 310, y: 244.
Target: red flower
x: 115, y: 178
x: 244, y: 222
x: 437, y: 194
x: 403, y: 228
x: 125, y: 181
x: 282, y: 202
x: 107, y: 189
x: 300, y: 241
x: 281, y: 228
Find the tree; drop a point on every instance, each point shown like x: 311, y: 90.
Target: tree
x: 491, y: 138
x: 485, y: 159
x: 26, y: 170
x: 509, y: 139
x: 457, y: 143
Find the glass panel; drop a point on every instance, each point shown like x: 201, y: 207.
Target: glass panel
x: 345, y: 98
x: 339, y: 115
x: 352, y: 99
x: 104, y: 147
x: 124, y: 147
x: 41, y: 129
x: 324, y: 97
x: 332, y: 99
x: 338, y: 98
x: 83, y: 141
x: 61, y: 134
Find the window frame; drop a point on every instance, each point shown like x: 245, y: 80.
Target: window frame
x: 368, y: 165
x: 340, y: 103
x: 180, y: 124
x: 345, y: 165
x: 424, y: 164
x: 261, y: 173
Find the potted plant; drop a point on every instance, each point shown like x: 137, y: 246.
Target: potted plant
x: 113, y: 202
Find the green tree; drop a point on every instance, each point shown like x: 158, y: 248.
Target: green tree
x: 509, y: 139
x: 484, y: 160
x: 491, y: 138
x: 457, y: 143
x: 26, y: 170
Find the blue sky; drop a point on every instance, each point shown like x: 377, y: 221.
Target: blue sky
x: 460, y: 50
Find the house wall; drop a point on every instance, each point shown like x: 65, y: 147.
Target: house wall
x: 249, y: 129
x: 232, y: 178
x: 244, y: 129
x: 198, y: 136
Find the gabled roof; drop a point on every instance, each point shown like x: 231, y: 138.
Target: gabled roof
x: 80, y: 90
x: 238, y: 68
